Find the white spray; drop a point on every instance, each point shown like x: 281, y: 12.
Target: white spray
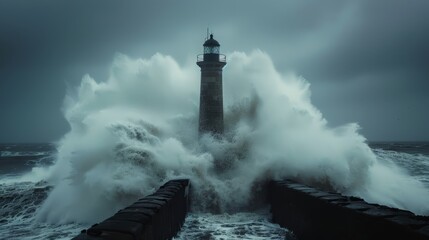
x: 138, y: 129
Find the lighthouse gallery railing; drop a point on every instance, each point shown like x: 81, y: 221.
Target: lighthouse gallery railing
x: 222, y: 58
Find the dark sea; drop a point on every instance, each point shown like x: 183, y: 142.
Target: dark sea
x: 23, y: 189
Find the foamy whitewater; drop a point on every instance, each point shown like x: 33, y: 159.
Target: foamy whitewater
x: 139, y: 128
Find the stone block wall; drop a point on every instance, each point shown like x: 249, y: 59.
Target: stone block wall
x: 315, y: 214
x: 157, y: 216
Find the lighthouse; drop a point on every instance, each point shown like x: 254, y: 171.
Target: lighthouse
x: 211, y: 92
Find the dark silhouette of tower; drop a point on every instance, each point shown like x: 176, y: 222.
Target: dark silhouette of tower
x: 211, y: 96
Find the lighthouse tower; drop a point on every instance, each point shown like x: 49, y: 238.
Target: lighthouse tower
x: 211, y: 96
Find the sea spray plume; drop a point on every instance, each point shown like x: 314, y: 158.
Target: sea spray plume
x: 291, y: 138
x: 288, y: 132
x: 138, y: 129
x: 111, y: 155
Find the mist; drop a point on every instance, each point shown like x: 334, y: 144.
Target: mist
x: 138, y: 128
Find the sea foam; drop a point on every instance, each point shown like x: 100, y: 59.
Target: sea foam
x: 137, y: 129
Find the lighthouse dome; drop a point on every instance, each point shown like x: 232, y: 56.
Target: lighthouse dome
x: 211, y: 42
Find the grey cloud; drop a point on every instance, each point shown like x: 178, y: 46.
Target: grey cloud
x: 363, y: 58
x: 384, y: 36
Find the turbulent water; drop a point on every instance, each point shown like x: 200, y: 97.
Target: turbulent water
x: 22, y: 191
x: 231, y: 226
x: 137, y: 129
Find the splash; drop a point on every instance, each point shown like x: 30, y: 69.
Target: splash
x: 137, y: 129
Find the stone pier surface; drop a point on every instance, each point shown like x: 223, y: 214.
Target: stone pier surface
x: 156, y: 216
x: 315, y: 214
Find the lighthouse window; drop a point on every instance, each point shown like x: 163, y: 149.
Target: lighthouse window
x: 208, y: 50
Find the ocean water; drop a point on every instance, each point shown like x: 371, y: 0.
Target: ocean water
x: 139, y: 128
x: 23, y: 190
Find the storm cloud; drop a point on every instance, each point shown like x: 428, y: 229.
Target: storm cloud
x: 366, y: 60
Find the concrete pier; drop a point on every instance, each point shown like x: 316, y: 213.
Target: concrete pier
x: 156, y: 216
x: 315, y: 214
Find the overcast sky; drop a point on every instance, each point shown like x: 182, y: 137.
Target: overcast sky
x: 367, y: 61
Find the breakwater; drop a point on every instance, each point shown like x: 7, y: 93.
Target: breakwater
x: 308, y: 212
x: 156, y: 216
x: 315, y: 214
